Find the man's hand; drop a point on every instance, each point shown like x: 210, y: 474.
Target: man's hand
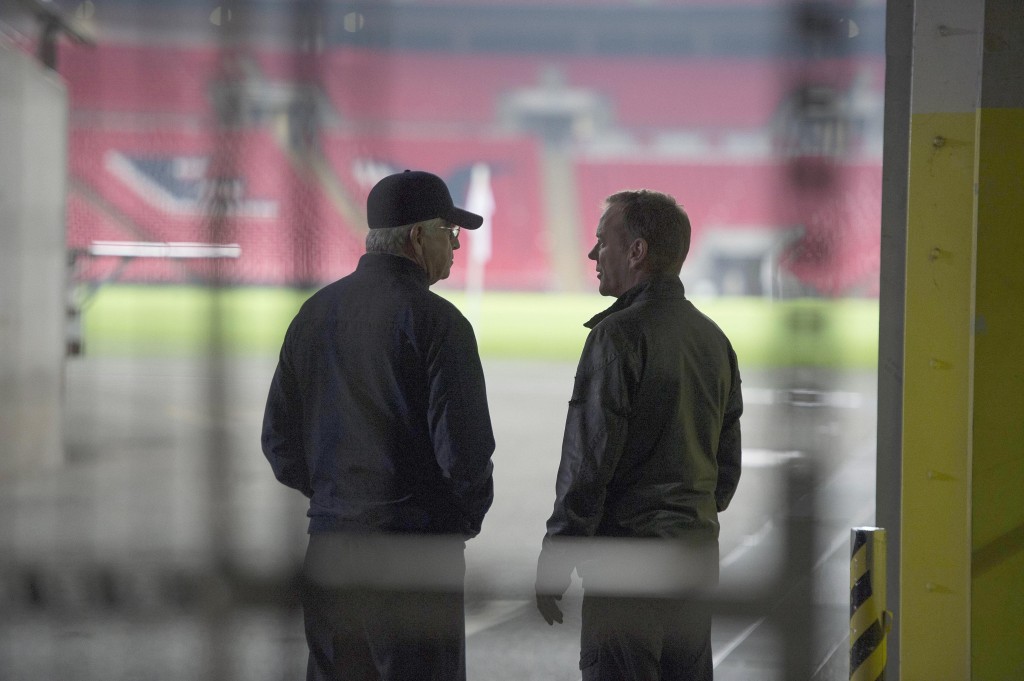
x: 554, y: 573
x: 548, y: 606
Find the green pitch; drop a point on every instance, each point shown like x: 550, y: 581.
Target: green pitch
x: 179, y: 320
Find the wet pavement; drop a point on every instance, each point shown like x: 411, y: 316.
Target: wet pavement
x: 163, y: 548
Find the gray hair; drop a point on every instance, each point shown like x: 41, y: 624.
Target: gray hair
x: 392, y: 240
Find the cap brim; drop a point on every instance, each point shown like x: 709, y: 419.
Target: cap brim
x: 464, y: 219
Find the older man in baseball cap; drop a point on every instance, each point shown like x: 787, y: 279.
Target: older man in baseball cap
x: 377, y: 413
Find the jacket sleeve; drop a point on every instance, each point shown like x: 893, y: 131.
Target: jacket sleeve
x: 594, y: 439
x: 595, y: 435
x: 460, y: 423
x: 282, y: 431
x: 729, y: 445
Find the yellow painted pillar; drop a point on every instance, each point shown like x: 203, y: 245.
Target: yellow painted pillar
x: 935, y: 579
x: 962, y: 513
x: 997, y: 471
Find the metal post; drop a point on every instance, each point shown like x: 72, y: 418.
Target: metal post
x: 869, y: 620
x: 899, y: 29
x: 797, y: 620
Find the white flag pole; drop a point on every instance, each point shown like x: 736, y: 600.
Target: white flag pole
x: 479, y: 200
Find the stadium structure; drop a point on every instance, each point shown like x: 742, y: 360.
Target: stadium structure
x: 231, y: 144
x: 260, y: 127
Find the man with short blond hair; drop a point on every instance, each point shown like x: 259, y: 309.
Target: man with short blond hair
x: 650, y: 456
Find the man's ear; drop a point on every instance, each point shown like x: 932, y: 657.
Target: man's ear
x: 636, y: 256
x: 416, y: 236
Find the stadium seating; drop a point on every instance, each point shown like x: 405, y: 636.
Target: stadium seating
x: 144, y: 148
x: 838, y: 221
x: 519, y: 251
x: 426, y: 89
x: 159, y: 183
x: 447, y: 89
x: 722, y: 94
x: 140, y: 79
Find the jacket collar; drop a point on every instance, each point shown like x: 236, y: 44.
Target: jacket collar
x: 658, y: 285
x: 393, y: 264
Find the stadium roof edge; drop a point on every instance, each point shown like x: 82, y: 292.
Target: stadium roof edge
x: 697, y: 28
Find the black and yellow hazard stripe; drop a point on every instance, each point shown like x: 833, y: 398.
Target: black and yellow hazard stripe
x: 867, y: 625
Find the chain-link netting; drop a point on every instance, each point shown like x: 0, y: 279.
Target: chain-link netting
x: 220, y: 149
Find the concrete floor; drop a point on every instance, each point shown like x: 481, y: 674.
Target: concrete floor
x: 118, y: 564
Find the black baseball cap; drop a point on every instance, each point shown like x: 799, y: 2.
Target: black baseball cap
x: 414, y: 196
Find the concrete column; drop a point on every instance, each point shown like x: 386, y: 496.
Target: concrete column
x: 33, y: 267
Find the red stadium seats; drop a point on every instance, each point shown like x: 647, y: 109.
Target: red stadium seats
x: 162, y: 184
x: 140, y: 79
x: 837, y: 223
x: 519, y: 255
x: 145, y: 154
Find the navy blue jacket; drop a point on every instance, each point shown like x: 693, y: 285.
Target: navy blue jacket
x: 378, y: 411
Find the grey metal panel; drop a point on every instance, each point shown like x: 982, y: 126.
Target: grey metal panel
x: 945, y: 32
x: 1002, y: 80
x: 895, y: 159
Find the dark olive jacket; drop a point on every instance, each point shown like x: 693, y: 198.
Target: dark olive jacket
x: 378, y: 411
x: 652, y: 438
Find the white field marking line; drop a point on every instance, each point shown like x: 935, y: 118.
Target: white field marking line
x: 828, y: 656
x: 861, y: 516
x: 735, y: 643
x: 758, y: 458
x: 493, y: 614
x: 837, y: 544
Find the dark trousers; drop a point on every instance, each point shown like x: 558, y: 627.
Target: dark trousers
x: 641, y: 639
x: 384, y: 611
